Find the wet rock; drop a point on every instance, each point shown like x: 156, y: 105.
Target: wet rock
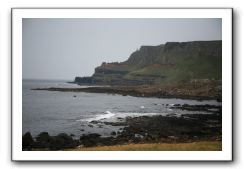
x: 139, y: 136
x: 90, y: 125
x: 115, y: 123
x: 27, y: 141
x: 142, y: 129
x: 90, y: 140
x: 113, y: 133
x: 94, y: 122
x: 206, y: 107
x: 43, y: 140
x: 61, y: 141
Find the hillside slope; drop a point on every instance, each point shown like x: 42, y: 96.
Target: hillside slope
x: 170, y: 63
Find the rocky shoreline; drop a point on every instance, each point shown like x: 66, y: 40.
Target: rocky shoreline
x: 182, y: 92
x: 143, y: 129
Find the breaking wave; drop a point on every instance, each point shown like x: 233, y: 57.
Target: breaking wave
x: 107, y: 114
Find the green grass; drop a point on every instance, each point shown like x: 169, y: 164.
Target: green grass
x: 179, y: 64
x: 183, y: 71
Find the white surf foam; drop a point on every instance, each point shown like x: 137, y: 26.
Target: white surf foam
x: 107, y: 114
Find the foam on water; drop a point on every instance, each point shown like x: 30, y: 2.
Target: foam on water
x: 58, y: 112
x: 107, y: 114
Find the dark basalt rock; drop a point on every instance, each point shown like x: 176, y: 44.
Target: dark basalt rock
x: 113, y: 133
x: 46, y: 142
x: 141, y: 91
x: 206, y: 107
x: 27, y: 141
x: 90, y: 139
x: 63, y: 141
x: 142, y: 129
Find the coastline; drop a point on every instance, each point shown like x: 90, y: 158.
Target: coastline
x: 185, y: 130
x: 154, y: 91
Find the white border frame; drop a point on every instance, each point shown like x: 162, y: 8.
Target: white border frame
x: 19, y: 155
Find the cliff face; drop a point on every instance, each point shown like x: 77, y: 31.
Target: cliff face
x: 170, y: 63
x: 174, y: 52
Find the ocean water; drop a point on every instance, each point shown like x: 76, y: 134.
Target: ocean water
x: 71, y: 112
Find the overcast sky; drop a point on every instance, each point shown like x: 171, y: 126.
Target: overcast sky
x: 65, y: 48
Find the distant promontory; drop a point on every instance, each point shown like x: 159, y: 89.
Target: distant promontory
x: 172, y: 63
x: 187, y: 70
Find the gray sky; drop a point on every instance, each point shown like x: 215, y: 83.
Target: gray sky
x: 65, y: 48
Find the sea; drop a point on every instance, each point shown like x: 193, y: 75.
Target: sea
x: 73, y: 112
